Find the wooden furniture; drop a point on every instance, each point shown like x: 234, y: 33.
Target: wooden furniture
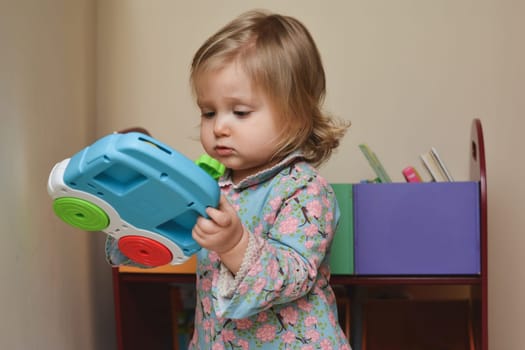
x: 417, y: 324
x: 143, y: 300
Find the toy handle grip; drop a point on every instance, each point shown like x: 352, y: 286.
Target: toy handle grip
x: 211, y: 166
x: 134, y: 129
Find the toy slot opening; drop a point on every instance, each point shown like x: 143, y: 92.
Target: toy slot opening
x: 154, y: 144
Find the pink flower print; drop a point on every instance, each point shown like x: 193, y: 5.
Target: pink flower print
x: 330, y: 298
x: 272, y: 269
x: 264, y: 304
x: 244, y: 323
x: 206, y: 304
x: 319, y: 292
x: 269, y: 218
x: 276, y: 203
x: 217, y: 347
x: 266, y: 333
x: 257, y: 231
x: 195, y: 338
x: 259, y: 285
x: 208, y: 325
x: 243, y: 344
x: 214, y: 257
x: 278, y: 284
x: 227, y: 335
x: 322, y: 246
x: 290, y: 290
x: 270, y: 249
x: 332, y: 319
x: 311, y: 230
x: 288, y: 337
x: 198, y: 314
x: 262, y: 317
x: 207, y: 267
x: 310, y: 321
x: 308, y: 244
x: 289, y: 315
x: 255, y: 269
x: 314, y: 261
x: 206, y: 285
x: 304, y: 305
x: 243, y: 288
x: 329, y: 217
x: 286, y: 210
x: 307, y: 347
x: 289, y: 225
x: 326, y: 344
x: 313, y: 335
x: 325, y: 201
x: 314, y: 208
x: 313, y: 189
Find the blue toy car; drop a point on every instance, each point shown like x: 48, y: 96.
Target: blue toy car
x: 139, y: 191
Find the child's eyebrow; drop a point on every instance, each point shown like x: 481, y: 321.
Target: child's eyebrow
x: 202, y: 103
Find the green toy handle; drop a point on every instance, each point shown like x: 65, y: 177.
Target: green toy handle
x: 211, y: 166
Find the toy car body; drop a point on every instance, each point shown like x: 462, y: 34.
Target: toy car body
x: 137, y: 190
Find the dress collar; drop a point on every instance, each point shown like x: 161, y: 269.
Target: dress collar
x: 261, y: 176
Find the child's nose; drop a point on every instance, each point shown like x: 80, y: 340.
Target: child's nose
x: 221, y: 126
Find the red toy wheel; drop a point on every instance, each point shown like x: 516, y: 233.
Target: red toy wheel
x: 145, y: 251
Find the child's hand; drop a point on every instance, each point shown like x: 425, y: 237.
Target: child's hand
x: 222, y: 231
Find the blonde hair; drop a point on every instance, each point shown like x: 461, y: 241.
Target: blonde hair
x: 281, y: 58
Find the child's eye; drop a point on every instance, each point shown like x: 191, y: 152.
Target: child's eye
x: 207, y: 114
x: 241, y: 113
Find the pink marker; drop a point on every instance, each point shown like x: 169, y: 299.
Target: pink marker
x: 411, y: 174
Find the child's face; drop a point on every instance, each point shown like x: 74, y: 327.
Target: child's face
x: 239, y: 126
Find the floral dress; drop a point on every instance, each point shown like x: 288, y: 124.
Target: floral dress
x: 281, y: 297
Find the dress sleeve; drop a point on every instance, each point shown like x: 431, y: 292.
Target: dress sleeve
x: 298, y: 226
x: 228, y: 283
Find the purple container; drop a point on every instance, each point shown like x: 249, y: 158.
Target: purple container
x: 417, y: 228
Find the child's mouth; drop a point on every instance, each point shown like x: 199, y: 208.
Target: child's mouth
x: 223, y: 151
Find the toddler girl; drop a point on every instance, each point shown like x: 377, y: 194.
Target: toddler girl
x: 263, y: 273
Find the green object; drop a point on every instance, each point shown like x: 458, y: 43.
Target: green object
x: 342, y: 254
x: 81, y: 213
x: 211, y: 166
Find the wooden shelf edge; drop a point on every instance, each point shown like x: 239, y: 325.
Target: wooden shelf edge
x: 405, y: 280
x: 157, y: 277
x: 478, y: 172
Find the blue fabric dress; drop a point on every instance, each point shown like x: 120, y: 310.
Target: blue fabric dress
x: 281, y: 297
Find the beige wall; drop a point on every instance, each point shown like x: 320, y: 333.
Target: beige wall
x: 408, y: 74
x: 54, y: 285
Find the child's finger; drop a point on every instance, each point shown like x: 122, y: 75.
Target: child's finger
x: 220, y: 218
x: 223, y: 215
x: 206, y: 225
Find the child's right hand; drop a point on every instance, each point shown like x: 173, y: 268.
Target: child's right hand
x: 222, y: 231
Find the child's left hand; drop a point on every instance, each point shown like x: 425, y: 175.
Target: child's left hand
x: 222, y: 231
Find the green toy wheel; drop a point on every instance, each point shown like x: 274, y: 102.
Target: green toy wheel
x: 211, y: 166
x: 81, y: 213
